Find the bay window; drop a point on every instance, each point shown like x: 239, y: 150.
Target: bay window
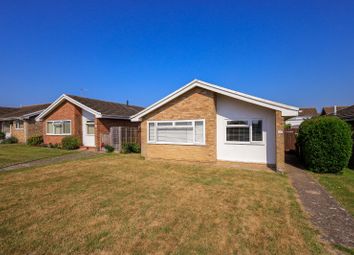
x: 59, y: 127
x: 244, y: 131
x: 176, y: 132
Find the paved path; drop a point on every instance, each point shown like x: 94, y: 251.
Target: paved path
x: 52, y: 160
x: 335, y: 223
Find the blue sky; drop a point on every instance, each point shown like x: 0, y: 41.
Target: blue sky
x: 296, y: 52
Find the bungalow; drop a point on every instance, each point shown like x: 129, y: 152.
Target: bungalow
x: 332, y: 110
x: 84, y: 117
x: 20, y: 122
x: 206, y: 122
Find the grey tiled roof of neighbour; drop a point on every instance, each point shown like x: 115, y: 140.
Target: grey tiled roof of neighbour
x: 6, y: 110
x: 327, y: 110
x: 21, y: 112
x: 346, y: 113
x: 108, y: 108
x: 308, y: 112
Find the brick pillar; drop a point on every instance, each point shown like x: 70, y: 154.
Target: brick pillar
x: 97, y: 134
x: 279, y: 142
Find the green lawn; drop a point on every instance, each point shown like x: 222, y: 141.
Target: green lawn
x: 341, y: 186
x: 18, y: 153
x: 122, y: 204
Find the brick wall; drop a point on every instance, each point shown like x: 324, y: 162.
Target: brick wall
x: 18, y: 133
x: 102, y: 126
x: 33, y: 128
x: 279, y: 141
x: 197, y: 103
x: 66, y: 111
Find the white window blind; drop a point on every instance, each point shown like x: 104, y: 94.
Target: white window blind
x: 176, y: 132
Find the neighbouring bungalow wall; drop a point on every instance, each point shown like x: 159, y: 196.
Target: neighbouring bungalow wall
x: 197, y: 103
x: 102, y: 126
x: 66, y: 111
x: 18, y: 133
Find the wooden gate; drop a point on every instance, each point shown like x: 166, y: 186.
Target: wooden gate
x: 118, y: 136
x: 290, y: 139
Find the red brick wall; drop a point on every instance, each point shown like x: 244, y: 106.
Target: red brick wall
x: 102, y: 126
x: 66, y: 111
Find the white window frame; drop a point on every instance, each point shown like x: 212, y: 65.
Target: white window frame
x: 93, y: 123
x: 17, y: 122
x: 173, y: 126
x: 52, y: 121
x: 249, y: 121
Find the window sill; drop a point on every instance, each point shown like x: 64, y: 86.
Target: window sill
x: 58, y: 134
x: 246, y: 143
x: 182, y: 144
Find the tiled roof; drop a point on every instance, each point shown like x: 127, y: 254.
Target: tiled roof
x: 23, y: 111
x: 6, y: 110
x: 312, y: 112
x: 346, y: 113
x: 108, y: 108
x: 330, y: 109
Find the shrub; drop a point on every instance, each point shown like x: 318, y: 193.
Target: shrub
x: 2, y: 135
x: 35, y: 140
x: 10, y: 140
x: 325, y: 144
x: 70, y: 143
x: 131, y: 148
x: 109, y: 148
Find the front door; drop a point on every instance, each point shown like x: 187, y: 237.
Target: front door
x: 6, y: 128
x: 88, y: 129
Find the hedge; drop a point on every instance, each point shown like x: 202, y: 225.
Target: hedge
x: 325, y: 144
x: 70, y: 143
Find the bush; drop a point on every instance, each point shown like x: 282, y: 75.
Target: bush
x: 70, y: 143
x: 10, y: 140
x: 109, y: 148
x: 35, y: 140
x: 2, y: 135
x: 131, y: 148
x: 325, y: 144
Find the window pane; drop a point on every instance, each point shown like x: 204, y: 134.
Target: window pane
x: 50, y: 127
x: 90, y: 128
x: 66, y: 127
x: 151, y: 131
x: 164, y: 124
x: 257, y: 130
x: 238, y: 134
x: 175, y: 135
x: 199, y: 132
x: 58, y: 127
x: 237, y: 122
x: 184, y: 123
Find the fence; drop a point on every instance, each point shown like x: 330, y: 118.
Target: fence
x: 118, y: 136
x: 290, y: 139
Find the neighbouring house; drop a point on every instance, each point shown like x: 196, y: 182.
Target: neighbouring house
x: 206, y: 122
x: 304, y: 114
x: 347, y: 114
x: 332, y: 110
x: 20, y: 122
x: 85, y: 118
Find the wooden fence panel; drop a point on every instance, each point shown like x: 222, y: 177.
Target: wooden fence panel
x: 290, y: 139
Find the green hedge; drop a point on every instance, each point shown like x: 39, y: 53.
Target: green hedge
x: 131, y: 148
x: 2, y: 135
x: 70, y: 143
x: 325, y: 144
x: 35, y: 140
x: 10, y: 140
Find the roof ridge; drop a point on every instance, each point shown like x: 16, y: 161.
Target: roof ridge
x: 105, y: 101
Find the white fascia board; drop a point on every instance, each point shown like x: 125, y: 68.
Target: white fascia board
x: 286, y: 110
x: 66, y: 97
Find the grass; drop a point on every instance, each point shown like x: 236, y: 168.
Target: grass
x: 126, y: 205
x: 11, y: 154
x: 341, y: 186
